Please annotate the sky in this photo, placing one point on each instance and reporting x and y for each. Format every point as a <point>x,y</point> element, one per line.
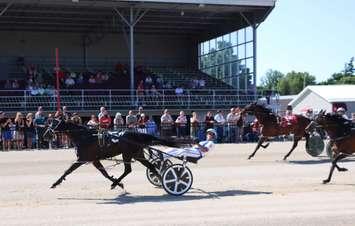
<point>316,36</point>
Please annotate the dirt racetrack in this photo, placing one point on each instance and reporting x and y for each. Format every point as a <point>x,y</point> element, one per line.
<point>228,190</point>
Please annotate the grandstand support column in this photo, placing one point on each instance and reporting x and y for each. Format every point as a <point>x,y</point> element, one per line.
<point>131,23</point>
<point>254,61</point>
<point>131,53</point>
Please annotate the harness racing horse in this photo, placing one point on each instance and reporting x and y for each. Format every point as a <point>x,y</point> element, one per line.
<point>270,127</point>
<point>342,138</point>
<point>131,145</point>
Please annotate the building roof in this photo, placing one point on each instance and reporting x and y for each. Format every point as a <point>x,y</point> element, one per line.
<point>331,93</point>
<point>200,19</point>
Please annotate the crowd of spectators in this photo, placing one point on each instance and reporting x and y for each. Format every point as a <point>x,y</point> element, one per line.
<point>26,131</point>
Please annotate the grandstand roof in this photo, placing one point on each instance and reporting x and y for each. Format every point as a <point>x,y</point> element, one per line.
<point>202,19</point>
<point>331,93</point>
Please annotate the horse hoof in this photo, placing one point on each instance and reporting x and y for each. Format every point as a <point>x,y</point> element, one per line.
<point>114,185</point>
<point>343,169</point>
<point>250,157</point>
<point>326,181</point>
<point>53,186</point>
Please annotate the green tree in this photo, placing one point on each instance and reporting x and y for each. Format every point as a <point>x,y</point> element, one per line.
<point>294,82</point>
<point>271,78</point>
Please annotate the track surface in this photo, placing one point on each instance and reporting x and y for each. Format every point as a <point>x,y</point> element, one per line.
<point>227,190</point>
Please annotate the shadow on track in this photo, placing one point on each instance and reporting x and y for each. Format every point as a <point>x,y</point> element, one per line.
<point>317,161</point>
<point>193,194</point>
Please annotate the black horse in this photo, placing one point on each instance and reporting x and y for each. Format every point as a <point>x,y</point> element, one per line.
<point>130,145</point>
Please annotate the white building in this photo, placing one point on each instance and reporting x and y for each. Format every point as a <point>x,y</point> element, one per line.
<point>325,97</point>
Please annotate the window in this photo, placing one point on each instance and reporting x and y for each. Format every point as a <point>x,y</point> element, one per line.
<point>230,58</point>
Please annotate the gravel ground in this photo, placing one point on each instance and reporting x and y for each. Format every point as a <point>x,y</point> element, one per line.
<point>228,190</point>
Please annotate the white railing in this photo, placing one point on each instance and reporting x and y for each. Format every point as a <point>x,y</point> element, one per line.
<point>82,100</point>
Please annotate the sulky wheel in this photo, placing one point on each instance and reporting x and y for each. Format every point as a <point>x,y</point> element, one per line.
<point>177,179</point>
<point>152,177</point>
<point>315,145</point>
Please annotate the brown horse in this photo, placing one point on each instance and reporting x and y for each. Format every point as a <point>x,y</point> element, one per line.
<point>342,138</point>
<point>270,127</point>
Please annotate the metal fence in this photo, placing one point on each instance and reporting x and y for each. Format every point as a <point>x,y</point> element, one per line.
<point>87,100</point>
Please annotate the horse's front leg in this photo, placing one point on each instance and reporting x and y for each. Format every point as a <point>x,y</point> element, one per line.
<point>101,168</point>
<point>260,142</point>
<point>334,164</point>
<point>295,142</point>
<point>73,167</point>
<point>127,170</point>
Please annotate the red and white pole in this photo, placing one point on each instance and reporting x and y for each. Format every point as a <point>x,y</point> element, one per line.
<point>57,75</point>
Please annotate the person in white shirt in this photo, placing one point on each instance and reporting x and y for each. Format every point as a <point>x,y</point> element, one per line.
<point>181,124</point>
<point>219,123</point>
<point>198,151</point>
<point>166,123</point>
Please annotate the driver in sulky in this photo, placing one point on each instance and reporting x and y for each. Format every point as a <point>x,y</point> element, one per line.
<point>199,149</point>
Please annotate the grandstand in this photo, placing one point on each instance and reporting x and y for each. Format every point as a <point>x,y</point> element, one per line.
<point>211,40</point>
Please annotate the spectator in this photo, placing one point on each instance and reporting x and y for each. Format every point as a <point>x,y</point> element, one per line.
<point>232,119</point>
<point>131,120</point>
<point>219,121</point>
<point>353,118</point>
<point>181,124</point>
<point>105,121</point>
<point>29,130</point>
<point>166,122</point>
<point>140,93</point>
<point>6,132</point>
<point>15,84</point>
<point>118,121</point>
<point>69,82</point>
<point>202,83</point>
<point>101,113</point>
<point>20,129</point>
<point>148,82</point>
<point>151,126</point>
<point>140,112</point>
<point>141,123</point>
<point>92,80</point>
<point>66,114</point>
<point>154,91</point>
<point>159,83</point>
<point>209,120</point>
<point>39,124</point>
<point>7,85</point>
<point>194,125</point>
<point>98,78</point>
<point>179,91</point>
<point>76,119</point>
<point>93,122</point>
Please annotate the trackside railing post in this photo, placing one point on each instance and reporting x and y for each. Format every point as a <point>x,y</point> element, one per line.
<point>110,99</point>
<point>25,99</point>
<point>214,99</point>
<point>82,99</point>
<point>188,99</point>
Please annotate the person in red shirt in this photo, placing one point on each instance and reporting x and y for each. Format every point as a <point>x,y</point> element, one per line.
<point>105,121</point>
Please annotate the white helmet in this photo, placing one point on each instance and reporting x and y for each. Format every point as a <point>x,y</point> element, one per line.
<point>341,110</point>
<point>212,131</point>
